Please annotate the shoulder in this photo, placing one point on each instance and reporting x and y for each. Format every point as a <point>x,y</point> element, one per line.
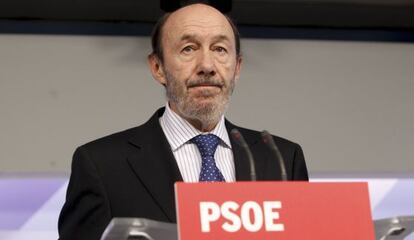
<point>254,136</point>
<point>126,137</point>
<point>112,140</point>
<point>291,152</point>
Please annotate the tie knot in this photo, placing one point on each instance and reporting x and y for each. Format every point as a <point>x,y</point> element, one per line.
<point>207,144</point>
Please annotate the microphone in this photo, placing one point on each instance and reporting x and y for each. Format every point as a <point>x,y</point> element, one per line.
<point>239,139</point>
<point>268,140</point>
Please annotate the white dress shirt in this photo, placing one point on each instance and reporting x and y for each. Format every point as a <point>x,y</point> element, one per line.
<point>179,132</point>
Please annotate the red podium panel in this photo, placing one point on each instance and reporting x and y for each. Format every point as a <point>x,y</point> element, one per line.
<point>273,210</point>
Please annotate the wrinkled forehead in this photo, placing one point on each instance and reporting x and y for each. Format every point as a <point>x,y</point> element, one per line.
<point>198,20</point>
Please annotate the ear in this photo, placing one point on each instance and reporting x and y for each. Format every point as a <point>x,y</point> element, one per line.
<point>238,67</point>
<point>157,71</point>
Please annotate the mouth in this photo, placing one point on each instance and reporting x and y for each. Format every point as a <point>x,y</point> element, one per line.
<point>205,85</point>
<point>205,90</point>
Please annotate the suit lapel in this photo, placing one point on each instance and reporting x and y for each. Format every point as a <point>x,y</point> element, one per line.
<point>154,164</point>
<point>241,162</point>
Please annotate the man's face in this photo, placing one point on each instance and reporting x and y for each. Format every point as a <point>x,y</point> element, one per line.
<point>200,65</point>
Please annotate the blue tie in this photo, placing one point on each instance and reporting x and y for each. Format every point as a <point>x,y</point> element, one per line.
<point>207,145</point>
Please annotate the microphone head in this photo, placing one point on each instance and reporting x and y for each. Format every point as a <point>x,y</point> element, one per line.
<point>235,134</point>
<point>238,137</point>
<point>266,137</point>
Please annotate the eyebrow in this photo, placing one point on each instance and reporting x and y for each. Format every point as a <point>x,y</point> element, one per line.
<point>187,37</point>
<point>221,37</point>
<point>193,37</point>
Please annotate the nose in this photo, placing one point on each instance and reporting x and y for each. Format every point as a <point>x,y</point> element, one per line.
<point>206,64</point>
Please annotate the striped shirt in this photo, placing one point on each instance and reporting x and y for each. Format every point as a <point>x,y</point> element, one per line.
<point>179,132</point>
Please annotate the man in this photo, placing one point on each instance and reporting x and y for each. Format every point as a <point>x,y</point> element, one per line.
<point>196,56</point>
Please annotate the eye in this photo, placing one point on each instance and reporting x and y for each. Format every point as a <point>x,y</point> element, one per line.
<point>188,49</point>
<point>220,49</point>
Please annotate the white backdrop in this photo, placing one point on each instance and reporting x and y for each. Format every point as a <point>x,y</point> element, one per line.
<point>349,104</point>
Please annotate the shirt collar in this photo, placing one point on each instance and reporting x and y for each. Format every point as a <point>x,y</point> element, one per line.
<point>179,131</point>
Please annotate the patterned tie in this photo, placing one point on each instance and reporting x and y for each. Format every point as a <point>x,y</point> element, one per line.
<point>207,145</point>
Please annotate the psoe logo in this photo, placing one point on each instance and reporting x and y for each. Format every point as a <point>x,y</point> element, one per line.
<point>250,216</point>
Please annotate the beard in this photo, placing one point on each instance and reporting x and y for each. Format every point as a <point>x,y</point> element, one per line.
<point>205,105</point>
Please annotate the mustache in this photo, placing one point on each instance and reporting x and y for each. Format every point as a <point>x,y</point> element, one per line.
<point>205,82</point>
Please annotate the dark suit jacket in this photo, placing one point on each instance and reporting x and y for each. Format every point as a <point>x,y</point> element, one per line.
<point>132,174</point>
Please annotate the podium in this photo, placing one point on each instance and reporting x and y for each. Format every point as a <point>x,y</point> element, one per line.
<point>258,210</point>
<point>139,229</point>
<point>396,228</point>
